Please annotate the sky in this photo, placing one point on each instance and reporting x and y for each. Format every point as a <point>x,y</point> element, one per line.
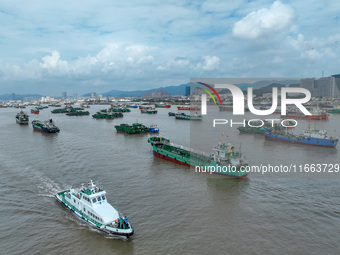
<point>48,47</point>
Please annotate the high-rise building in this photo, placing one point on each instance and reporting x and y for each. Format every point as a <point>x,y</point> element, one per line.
<point>13,96</point>
<point>187,91</point>
<point>64,95</point>
<point>93,94</point>
<point>322,87</point>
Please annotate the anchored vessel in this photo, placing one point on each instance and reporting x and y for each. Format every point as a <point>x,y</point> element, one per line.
<point>47,126</point>
<point>224,160</point>
<point>22,118</point>
<point>308,137</point>
<point>154,129</point>
<point>162,105</point>
<point>257,127</point>
<point>90,205</point>
<point>149,110</point>
<point>35,111</point>
<point>107,114</point>
<point>78,113</point>
<point>188,108</point>
<point>317,114</point>
<point>135,128</point>
<point>192,116</point>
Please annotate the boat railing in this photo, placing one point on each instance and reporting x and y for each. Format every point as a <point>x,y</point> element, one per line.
<point>192,151</point>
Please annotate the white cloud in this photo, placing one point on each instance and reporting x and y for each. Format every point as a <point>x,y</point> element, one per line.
<point>264,22</point>
<point>210,63</point>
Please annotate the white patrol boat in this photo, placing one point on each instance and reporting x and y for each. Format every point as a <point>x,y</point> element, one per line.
<point>90,205</point>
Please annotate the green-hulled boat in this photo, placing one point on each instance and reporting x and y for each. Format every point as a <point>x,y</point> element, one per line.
<point>67,109</point>
<point>119,109</point>
<point>257,127</point>
<point>334,110</point>
<point>78,113</point>
<point>22,118</point>
<point>135,128</point>
<point>224,160</point>
<point>104,114</point>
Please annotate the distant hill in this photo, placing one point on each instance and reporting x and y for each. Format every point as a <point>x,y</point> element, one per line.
<point>269,88</point>
<point>173,90</point>
<point>19,97</point>
<point>180,89</point>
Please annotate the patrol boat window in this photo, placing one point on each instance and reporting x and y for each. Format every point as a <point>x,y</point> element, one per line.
<point>103,197</point>
<point>94,200</point>
<point>99,199</point>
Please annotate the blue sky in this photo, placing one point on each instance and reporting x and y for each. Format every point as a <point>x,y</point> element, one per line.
<point>81,46</point>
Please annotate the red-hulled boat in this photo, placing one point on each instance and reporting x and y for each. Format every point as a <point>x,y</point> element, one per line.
<point>188,108</point>
<point>35,111</point>
<point>317,114</point>
<point>162,105</point>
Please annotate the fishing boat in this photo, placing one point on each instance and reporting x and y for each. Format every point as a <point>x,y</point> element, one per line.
<point>224,160</point>
<point>188,108</point>
<point>229,108</point>
<point>78,113</point>
<point>135,128</point>
<point>119,109</point>
<point>90,205</point>
<point>144,107</point>
<point>172,113</point>
<point>22,118</point>
<point>35,111</point>
<point>192,116</point>
<point>334,110</point>
<point>47,126</point>
<point>154,129</point>
<point>67,109</point>
<point>308,137</point>
<point>257,126</point>
<point>131,106</point>
<point>149,110</point>
<point>107,114</point>
<point>317,114</point>
<point>162,105</point>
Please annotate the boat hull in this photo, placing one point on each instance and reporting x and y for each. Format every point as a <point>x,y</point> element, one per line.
<point>313,117</point>
<point>182,160</point>
<point>45,130</point>
<point>311,142</point>
<point>22,122</point>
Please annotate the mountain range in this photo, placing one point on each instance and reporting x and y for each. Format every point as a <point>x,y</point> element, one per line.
<point>181,89</point>
<point>259,87</point>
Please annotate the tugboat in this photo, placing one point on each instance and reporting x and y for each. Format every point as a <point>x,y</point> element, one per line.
<point>308,137</point>
<point>22,118</point>
<point>90,205</point>
<point>224,160</point>
<point>47,126</point>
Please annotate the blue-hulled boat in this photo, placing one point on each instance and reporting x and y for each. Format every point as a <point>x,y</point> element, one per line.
<point>308,137</point>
